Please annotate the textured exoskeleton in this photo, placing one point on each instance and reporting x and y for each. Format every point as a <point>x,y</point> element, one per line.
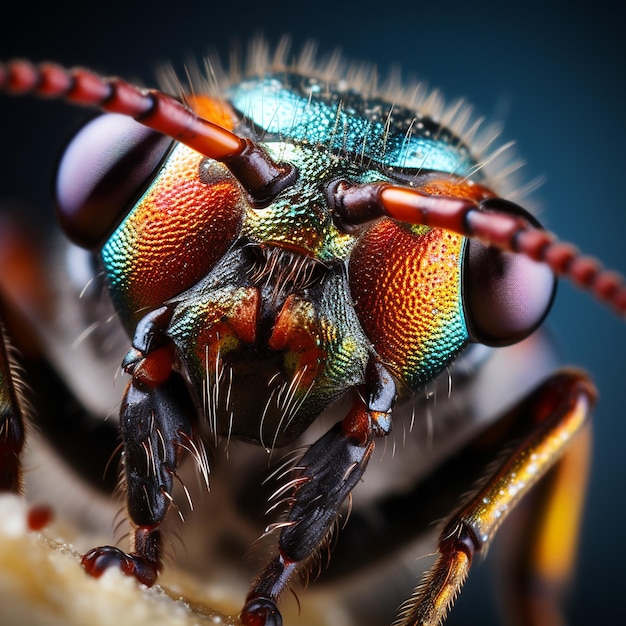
<point>300,245</point>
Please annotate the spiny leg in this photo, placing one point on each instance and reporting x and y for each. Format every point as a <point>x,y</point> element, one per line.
<point>22,286</point>
<point>36,307</point>
<point>328,473</point>
<point>11,422</point>
<point>551,417</point>
<point>330,469</point>
<point>155,420</point>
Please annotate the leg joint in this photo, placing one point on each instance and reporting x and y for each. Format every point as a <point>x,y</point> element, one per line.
<point>458,536</point>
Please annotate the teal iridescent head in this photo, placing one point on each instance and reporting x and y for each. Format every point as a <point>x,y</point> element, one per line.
<point>285,280</point>
<point>297,239</point>
<point>307,110</point>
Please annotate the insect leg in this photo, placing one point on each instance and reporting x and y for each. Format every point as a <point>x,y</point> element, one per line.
<point>537,551</point>
<point>550,418</point>
<point>330,469</point>
<point>155,419</point>
<point>328,473</point>
<point>11,422</point>
<point>20,272</point>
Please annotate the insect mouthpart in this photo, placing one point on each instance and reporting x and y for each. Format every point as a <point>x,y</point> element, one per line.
<point>305,239</point>
<point>280,272</point>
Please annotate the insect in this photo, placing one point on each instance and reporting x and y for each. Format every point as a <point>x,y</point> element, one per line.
<point>303,243</point>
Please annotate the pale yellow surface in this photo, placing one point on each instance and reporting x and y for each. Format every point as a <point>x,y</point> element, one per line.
<point>43,584</point>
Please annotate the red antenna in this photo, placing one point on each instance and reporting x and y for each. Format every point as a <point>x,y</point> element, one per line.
<point>257,172</point>
<point>264,179</point>
<point>488,221</point>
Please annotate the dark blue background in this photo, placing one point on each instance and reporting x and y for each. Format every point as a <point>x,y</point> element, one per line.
<point>554,75</point>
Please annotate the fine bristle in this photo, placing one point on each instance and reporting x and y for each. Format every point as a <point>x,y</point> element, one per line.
<point>496,160</point>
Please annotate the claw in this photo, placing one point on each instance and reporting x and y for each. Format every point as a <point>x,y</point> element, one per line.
<point>260,612</point>
<point>98,560</point>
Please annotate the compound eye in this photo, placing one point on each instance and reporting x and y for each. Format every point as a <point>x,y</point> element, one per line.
<point>506,296</point>
<point>105,168</point>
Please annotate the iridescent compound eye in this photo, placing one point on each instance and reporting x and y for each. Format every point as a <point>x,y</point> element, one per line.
<point>104,169</point>
<point>506,296</point>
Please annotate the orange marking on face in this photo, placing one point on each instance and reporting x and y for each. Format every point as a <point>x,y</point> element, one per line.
<point>296,332</point>
<point>457,189</point>
<point>225,326</point>
<point>217,111</point>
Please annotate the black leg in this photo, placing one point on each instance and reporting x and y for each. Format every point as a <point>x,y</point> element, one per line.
<point>156,426</point>
<point>328,472</point>
<point>11,422</point>
<point>155,429</point>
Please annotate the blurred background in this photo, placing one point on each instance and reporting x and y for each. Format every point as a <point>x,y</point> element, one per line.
<point>553,75</point>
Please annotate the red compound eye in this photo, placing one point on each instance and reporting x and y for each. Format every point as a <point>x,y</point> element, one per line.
<point>506,296</point>
<point>103,171</point>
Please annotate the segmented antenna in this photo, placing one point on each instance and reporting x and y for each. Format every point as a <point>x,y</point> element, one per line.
<point>490,222</point>
<point>251,165</point>
<point>264,179</point>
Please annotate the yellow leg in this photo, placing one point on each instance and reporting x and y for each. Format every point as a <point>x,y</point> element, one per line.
<point>551,417</point>
<point>538,551</point>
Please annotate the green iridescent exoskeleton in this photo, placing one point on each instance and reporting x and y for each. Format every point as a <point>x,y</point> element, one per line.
<point>273,318</point>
